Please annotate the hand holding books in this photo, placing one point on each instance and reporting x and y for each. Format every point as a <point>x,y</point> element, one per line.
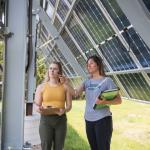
<point>109,94</point>
<point>105,96</point>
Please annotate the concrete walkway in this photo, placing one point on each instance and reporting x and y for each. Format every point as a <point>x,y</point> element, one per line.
<point>31,130</point>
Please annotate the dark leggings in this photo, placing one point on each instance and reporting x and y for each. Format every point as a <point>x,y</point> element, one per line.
<point>52,131</point>
<point>99,133</point>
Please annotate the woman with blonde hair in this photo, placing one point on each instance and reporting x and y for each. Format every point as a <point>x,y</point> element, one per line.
<point>55,96</point>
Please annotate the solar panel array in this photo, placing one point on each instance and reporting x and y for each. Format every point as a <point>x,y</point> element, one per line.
<point>99,27</point>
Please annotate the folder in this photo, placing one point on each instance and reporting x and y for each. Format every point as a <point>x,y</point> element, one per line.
<point>107,95</point>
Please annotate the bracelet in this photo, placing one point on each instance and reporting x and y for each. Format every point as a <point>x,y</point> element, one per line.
<point>75,93</point>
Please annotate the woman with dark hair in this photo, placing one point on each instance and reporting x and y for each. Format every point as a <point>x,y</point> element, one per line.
<point>98,121</point>
<point>54,96</point>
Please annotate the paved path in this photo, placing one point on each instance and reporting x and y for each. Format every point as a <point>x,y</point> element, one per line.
<point>37,147</point>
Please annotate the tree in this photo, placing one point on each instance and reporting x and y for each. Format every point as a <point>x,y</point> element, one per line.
<point>1,52</point>
<point>40,70</point>
<point>1,58</point>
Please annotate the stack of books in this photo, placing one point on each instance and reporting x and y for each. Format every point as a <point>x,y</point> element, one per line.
<point>106,95</point>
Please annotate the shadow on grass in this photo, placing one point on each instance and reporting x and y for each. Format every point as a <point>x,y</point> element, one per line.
<point>74,141</point>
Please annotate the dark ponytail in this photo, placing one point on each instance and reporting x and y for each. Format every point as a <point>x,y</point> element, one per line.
<point>99,62</point>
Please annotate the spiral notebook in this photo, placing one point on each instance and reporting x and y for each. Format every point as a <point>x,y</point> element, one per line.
<point>49,110</point>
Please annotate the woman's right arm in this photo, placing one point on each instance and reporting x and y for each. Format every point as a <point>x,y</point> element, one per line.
<point>38,98</point>
<point>78,91</point>
<point>74,92</point>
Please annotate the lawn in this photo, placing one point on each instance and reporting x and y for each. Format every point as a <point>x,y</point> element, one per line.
<point>131,127</point>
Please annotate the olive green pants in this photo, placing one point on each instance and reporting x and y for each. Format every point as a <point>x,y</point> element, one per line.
<point>52,131</point>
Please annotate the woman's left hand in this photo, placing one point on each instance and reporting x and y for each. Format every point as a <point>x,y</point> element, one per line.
<point>115,101</point>
<point>101,101</point>
<point>61,111</point>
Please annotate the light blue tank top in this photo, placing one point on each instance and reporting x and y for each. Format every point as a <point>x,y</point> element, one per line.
<point>92,89</point>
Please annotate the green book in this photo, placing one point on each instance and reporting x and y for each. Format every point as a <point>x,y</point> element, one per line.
<point>107,95</point>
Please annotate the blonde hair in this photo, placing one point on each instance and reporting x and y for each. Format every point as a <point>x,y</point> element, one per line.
<point>47,78</point>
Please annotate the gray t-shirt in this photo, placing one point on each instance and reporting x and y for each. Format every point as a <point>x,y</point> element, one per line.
<point>92,90</point>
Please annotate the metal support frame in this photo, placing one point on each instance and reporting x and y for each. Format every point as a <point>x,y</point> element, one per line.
<point>129,71</point>
<point>60,43</point>
<point>138,15</point>
<point>67,18</point>
<point>120,36</point>
<point>64,64</point>
<point>56,57</point>
<point>76,44</point>
<point>146,77</point>
<point>131,9</point>
<point>120,85</point>
<point>31,79</point>
<point>2,28</point>
<point>143,71</point>
<point>68,15</point>
<point>55,10</point>
<point>49,58</point>
<point>14,77</point>
<point>92,41</point>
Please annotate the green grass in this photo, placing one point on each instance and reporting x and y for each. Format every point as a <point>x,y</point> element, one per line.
<point>131,123</point>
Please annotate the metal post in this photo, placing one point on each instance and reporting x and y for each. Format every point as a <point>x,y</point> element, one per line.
<point>31,70</point>
<point>14,76</point>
